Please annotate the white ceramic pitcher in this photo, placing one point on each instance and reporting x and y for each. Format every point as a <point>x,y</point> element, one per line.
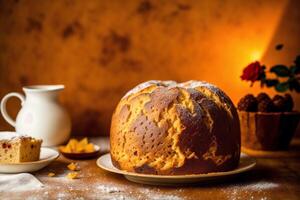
<point>41,115</point>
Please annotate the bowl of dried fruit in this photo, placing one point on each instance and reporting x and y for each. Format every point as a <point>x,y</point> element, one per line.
<point>79,149</point>
<point>269,124</point>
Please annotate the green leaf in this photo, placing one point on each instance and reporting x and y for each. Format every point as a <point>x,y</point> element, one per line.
<point>280,70</point>
<point>295,69</point>
<point>278,47</point>
<point>282,87</point>
<point>271,82</point>
<point>294,84</point>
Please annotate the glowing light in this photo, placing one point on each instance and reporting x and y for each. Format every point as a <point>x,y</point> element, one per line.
<point>255,55</point>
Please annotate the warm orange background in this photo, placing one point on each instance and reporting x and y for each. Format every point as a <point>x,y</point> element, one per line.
<point>101,49</point>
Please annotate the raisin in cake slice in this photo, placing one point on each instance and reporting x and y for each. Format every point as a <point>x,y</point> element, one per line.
<point>16,148</point>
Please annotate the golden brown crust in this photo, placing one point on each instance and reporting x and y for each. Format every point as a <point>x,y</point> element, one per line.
<point>168,128</point>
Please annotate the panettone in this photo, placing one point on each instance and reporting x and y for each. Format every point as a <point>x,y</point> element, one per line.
<point>162,127</point>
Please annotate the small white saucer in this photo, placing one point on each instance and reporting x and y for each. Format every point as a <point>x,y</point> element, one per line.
<point>47,155</point>
<point>246,163</point>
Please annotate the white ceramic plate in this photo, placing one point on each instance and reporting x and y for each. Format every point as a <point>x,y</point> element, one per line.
<point>47,155</point>
<point>246,163</point>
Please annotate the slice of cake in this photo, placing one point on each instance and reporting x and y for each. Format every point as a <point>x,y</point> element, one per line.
<point>16,148</point>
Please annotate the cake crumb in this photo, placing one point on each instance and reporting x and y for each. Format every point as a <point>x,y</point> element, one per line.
<point>72,175</point>
<point>73,166</point>
<point>51,174</point>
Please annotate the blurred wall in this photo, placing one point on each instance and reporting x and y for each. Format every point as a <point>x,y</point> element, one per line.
<point>101,49</point>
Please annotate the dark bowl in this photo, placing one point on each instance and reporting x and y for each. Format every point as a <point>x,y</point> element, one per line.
<point>268,131</point>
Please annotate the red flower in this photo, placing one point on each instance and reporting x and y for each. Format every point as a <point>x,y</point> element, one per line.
<point>253,72</point>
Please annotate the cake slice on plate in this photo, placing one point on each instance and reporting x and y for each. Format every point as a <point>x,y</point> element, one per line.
<point>16,148</point>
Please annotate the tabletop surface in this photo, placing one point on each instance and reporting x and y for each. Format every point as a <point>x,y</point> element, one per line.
<point>272,178</point>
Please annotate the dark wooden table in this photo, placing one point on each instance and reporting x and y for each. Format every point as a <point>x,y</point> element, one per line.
<point>273,178</point>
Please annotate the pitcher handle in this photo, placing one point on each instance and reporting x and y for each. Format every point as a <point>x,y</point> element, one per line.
<point>3,106</point>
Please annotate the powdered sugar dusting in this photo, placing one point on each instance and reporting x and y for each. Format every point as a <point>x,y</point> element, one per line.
<point>170,84</point>
<point>252,191</point>
<point>156,196</point>
<point>89,187</point>
<point>194,84</point>
<point>262,186</point>
<point>117,192</point>
<point>169,197</point>
<point>148,84</point>
<point>109,189</point>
